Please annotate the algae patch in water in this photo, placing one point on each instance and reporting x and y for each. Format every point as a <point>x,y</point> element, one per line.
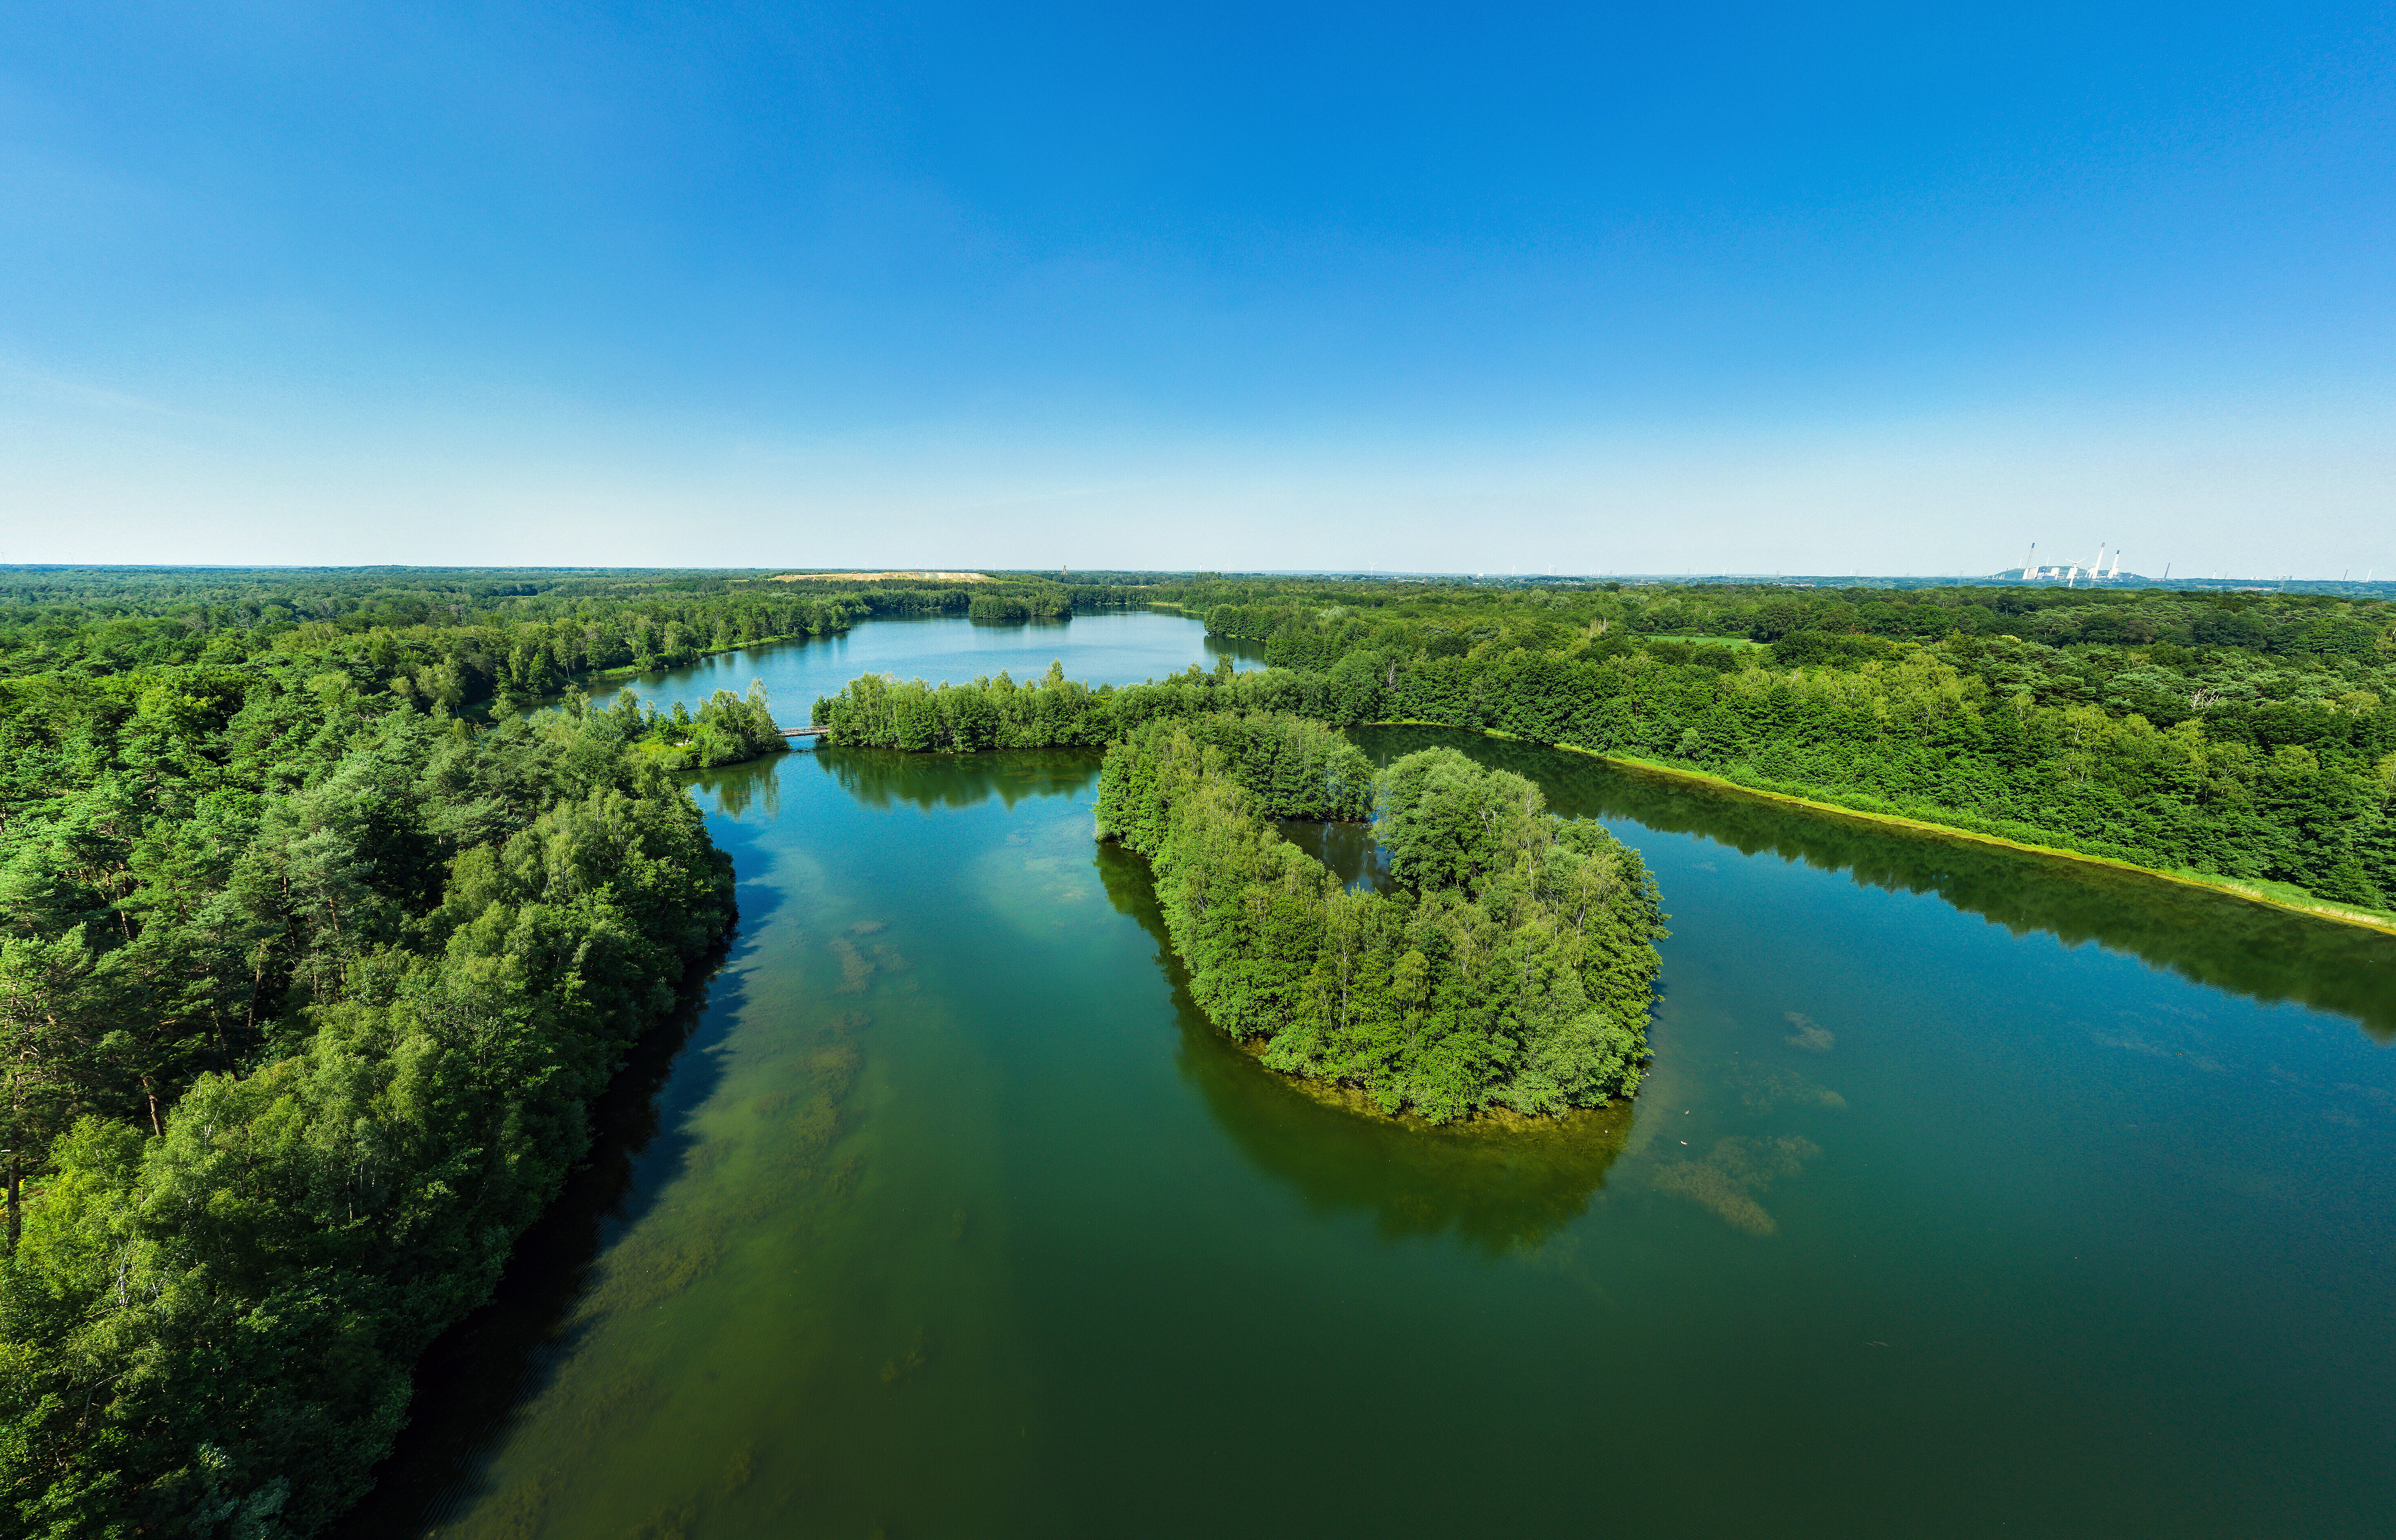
<point>1761,1088</point>
<point>743,1468</point>
<point>646,1275</point>
<point>1810,1035</point>
<point>1734,1173</point>
<point>856,968</point>
<point>762,1165</point>
<point>909,1362</point>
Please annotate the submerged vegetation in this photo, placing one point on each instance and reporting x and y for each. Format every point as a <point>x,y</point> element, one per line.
<point>1513,968</point>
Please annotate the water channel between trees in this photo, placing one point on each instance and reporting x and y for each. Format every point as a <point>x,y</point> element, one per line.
<point>1971,1193</point>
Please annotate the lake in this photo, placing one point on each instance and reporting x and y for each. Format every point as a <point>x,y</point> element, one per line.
<point>1970,1193</point>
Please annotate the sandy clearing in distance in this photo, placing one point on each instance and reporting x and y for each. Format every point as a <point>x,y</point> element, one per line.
<point>876,577</point>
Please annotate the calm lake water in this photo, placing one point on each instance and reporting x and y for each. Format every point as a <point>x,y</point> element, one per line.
<point>1970,1194</point>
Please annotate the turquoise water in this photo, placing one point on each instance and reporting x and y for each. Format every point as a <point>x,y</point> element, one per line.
<point>1970,1194</point>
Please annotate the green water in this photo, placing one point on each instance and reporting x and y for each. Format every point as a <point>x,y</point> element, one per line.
<point>1970,1194</point>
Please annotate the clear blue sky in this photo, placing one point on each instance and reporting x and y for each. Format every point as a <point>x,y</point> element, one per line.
<point>1602,287</point>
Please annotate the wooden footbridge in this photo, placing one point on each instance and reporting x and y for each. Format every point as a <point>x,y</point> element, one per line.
<point>804,732</point>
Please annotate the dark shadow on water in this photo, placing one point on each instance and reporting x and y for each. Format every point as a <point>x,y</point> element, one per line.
<point>735,788</point>
<point>494,1363</point>
<point>1239,649</point>
<point>1347,850</point>
<point>884,777</point>
<point>483,1371</point>
<point>2211,938</point>
<point>1495,1191</point>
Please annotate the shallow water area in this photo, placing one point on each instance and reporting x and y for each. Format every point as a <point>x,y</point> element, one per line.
<point>1968,1194</point>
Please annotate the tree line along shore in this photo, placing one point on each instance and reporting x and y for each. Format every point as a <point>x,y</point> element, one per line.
<point>315,949</point>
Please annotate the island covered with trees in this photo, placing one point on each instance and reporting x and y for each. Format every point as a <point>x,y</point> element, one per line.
<point>726,729</point>
<point>1510,971</point>
<point>1016,610</point>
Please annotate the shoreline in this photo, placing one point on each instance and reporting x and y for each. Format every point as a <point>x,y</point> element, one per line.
<point>2227,886</point>
<point>2230,887</point>
<point>1498,1122</point>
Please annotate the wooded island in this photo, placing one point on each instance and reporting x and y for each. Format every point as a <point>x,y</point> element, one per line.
<point>1513,968</point>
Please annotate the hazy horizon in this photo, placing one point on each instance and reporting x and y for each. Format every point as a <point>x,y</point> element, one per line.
<point>2067,575</point>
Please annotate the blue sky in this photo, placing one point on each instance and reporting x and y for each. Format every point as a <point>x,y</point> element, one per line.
<point>1606,288</point>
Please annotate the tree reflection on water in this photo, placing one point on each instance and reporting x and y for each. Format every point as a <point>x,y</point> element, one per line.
<point>1495,1188</point>
<point>884,777</point>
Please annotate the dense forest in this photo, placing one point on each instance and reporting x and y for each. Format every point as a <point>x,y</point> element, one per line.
<point>1512,967</point>
<point>439,640</point>
<point>304,1003</point>
<point>2249,737</point>
<point>456,640</point>
<point>2245,736</point>
<point>2292,625</point>
<point>311,963</point>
